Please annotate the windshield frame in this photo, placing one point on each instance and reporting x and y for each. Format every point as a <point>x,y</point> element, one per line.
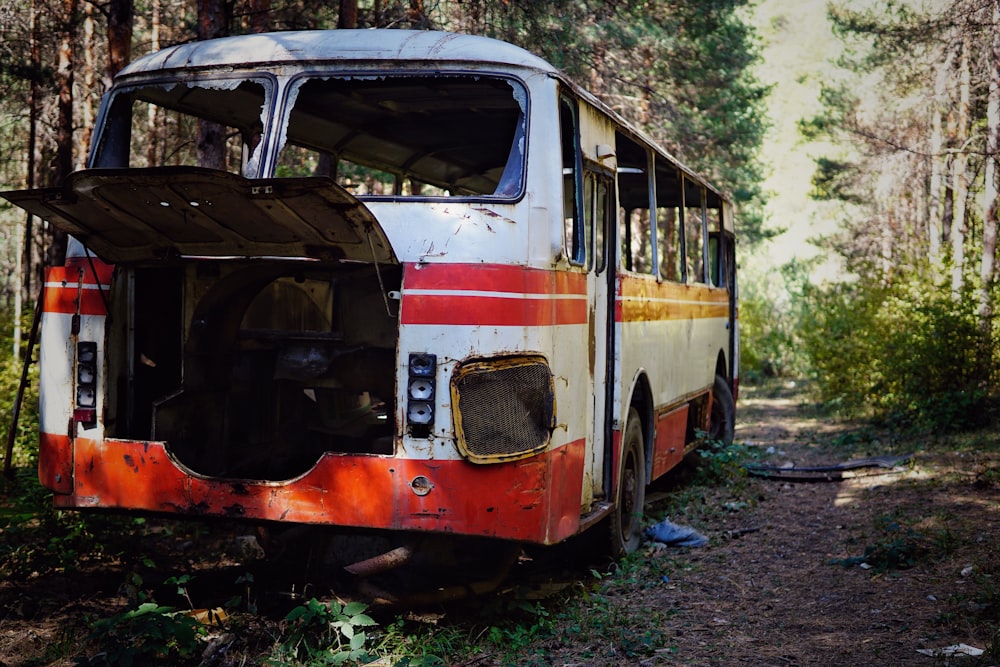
<point>520,94</point>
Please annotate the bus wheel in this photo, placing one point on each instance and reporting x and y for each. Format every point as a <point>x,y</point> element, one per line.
<point>626,519</point>
<point>723,424</point>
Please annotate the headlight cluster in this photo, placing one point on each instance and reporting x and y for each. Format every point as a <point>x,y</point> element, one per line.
<point>420,392</point>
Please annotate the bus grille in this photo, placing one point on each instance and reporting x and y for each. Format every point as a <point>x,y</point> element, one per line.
<point>504,408</point>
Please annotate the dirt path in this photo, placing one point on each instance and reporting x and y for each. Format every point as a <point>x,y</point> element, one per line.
<point>772,596</point>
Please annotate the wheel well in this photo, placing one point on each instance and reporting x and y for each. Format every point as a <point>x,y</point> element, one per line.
<point>721,368</point>
<point>642,401</point>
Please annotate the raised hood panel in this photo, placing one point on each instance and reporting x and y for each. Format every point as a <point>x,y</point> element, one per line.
<point>138,215</point>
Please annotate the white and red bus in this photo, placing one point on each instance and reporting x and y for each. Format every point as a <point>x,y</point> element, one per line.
<point>403,281</point>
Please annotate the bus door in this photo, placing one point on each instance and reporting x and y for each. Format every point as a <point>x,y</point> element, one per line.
<point>599,211</point>
<point>588,198</point>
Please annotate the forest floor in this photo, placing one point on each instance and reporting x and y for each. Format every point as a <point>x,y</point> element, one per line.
<point>867,570</point>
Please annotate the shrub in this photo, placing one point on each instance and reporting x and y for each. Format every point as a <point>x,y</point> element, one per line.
<point>907,351</point>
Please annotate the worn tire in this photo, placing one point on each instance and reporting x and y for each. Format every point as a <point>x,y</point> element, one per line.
<point>722,426</point>
<point>625,525</point>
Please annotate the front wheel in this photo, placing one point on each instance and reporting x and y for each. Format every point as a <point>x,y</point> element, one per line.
<point>625,527</point>
<point>723,422</point>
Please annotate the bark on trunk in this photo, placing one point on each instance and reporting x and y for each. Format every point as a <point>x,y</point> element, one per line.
<point>959,169</point>
<point>990,194</point>
<point>64,124</point>
<point>935,231</point>
<point>152,117</point>
<point>348,17</point>
<point>213,21</point>
<point>120,18</point>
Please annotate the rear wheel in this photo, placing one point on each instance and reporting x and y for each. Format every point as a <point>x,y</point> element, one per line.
<point>723,424</point>
<point>625,530</point>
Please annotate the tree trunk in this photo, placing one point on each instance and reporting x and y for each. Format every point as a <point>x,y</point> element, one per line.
<point>89,85</point>
<point>152,118</point>
<point>64,124</point>
<point>213,21</point>
<point>348,16</point>
<point>990,195</point>
<point>120,16</point>
<point>960,178</point>
<point>260,15</point>
<point>935,230</point>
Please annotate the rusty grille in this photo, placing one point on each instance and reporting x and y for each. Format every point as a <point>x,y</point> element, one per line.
<point>504,409</point>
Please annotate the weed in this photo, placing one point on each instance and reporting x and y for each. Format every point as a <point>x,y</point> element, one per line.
<point>147,635</point>
<point>899,550</point>
<point>723,463</point>
<point>324,633</point>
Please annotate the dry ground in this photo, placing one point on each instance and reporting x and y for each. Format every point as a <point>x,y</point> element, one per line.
<point>768,590</point>
<point>765,591</point>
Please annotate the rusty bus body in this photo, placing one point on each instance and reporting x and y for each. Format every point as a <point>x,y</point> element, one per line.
<point>428,285</point>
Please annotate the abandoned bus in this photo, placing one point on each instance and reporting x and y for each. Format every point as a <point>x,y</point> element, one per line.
<point>409,282</point>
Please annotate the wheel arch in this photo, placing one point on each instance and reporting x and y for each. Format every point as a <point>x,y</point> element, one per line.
<point>641,398</point>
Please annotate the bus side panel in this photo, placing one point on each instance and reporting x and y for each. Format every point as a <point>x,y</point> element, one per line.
<point>668,449</point>
<point>72,309</point>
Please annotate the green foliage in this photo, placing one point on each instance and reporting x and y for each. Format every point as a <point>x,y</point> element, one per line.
<point>603,617</point>
<point>525,623</point>
<point>899,550</point>
<point>324,633</point>
<point>769,320</point>
<point>907,350</point>
<point>150,634</point>
<point>26,438</point>
<point>722,464</point>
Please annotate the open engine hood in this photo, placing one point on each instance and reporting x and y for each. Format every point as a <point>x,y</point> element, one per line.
<point>142,215</point>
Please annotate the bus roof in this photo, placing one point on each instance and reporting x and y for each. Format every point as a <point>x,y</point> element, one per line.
<point>304,46</point>
<point>299,47</point>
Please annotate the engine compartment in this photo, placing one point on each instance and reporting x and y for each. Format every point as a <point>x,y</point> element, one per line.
<point>253,369</point>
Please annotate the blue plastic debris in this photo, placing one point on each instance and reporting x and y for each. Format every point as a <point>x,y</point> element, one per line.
<point>671,534</point>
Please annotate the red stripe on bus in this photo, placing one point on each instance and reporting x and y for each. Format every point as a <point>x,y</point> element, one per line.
<point>535,500</point>
<point>538,297</point>
<point>65,284</point>
<point>457,309</point>
<point>493,278</point>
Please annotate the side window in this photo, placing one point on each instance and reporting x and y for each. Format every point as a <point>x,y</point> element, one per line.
<point>716,273</point>
<point>694,231</point>
<point>634,201</point>
<point>669,206</point>
<point>600,216</point>
<point>574,238</point>
<point>637,244</point>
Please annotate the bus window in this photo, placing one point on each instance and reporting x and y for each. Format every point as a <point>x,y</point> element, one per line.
<point>694,232</point>
<point>669,200</point>
<point>445,136</point>
<point>589,187</point>
<point>715,273</point>
<point>599,216</point>
<point>637,247</point>
<point>573,233</point>
<point>166,125</point>
<point>635,225</point>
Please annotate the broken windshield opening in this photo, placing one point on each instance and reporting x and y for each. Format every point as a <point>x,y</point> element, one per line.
<point>410,136</point>
<point>217,124</point>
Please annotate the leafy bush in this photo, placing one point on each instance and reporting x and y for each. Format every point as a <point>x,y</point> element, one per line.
<point>147,635</point>
<point>769,341</point>
<point>324,633</point>
<point>908,351</point>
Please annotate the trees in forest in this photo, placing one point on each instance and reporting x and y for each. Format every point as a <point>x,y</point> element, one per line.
<point>919,110</point>
<point>684,73</point>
